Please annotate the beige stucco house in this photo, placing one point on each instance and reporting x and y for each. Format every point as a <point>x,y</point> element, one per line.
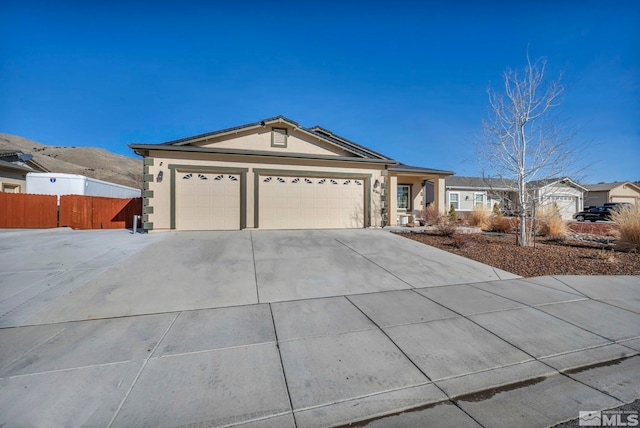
<point>277,174</point>
<point>599,194</point>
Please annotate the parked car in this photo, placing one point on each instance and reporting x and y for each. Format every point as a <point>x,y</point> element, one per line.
<point>618,205</point>
<point>595,214</point>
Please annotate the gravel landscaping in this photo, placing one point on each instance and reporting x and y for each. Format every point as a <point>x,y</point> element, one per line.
<point>589,250</point>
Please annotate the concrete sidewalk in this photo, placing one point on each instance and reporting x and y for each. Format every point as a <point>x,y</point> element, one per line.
<point>414,336</point>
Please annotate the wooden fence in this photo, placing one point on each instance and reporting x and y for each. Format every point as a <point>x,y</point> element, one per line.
<point>20,210</point>
<point>93,212</point>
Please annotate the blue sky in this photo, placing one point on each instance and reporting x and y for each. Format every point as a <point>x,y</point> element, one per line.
<point>407,79</point>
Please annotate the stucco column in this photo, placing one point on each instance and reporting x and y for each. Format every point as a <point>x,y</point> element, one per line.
<point>439,195</point>
<point>393,200</point>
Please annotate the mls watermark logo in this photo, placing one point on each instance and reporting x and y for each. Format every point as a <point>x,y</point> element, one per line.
<point>608,418</point>
<point>589,419</point>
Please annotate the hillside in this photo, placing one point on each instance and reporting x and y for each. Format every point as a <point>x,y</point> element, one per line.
<point>88,161</point>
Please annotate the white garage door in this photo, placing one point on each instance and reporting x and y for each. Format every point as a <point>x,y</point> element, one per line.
<point>311,203</point>
<point>207,201</point>
<point>568,205</point>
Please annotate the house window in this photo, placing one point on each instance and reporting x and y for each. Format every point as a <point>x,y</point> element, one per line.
<point>279,137</point>
<point>404,196</point>
<point>479,200</point>
<point>11,188</point>
<point>453,200</point>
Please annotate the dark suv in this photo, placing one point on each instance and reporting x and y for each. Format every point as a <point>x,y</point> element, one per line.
<point>595,214</point>
<point>618,205</point>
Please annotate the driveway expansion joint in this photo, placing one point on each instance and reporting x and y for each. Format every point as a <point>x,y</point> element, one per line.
<point>144,364</point>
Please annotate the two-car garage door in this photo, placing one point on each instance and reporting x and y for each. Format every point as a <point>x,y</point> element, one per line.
<point>291,202</point>
<point>211,201</point>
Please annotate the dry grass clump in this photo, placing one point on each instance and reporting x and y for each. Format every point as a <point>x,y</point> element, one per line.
<point>628,219</point>
<point>550,223</point>
<point>480,217</point>
<point>500,225</point>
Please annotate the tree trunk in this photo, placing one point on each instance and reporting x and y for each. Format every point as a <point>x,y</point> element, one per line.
<point>522,214</point>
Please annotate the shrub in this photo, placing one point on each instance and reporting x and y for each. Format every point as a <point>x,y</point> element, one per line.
<point>550,223</point>
<point>452,213</point>
<point>496,210</point>
<point>461,240</point>
<point>445,228</point>
<point>480,217</point>
<point>430,215</point>
<point>500,225</point>
<point>628,219</point>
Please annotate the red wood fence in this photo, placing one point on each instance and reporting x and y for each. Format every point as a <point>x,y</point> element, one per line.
<point>94,212</point>
<point>20,210</point>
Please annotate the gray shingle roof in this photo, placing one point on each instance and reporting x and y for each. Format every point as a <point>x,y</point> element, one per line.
<point>500,183</point>
<point>541,183</point>
<point>603,187</point>
<point>459,182</point>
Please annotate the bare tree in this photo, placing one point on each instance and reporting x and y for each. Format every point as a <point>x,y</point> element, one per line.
<point>522,141</point>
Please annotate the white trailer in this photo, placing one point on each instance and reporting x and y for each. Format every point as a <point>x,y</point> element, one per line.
<point>49,183</point>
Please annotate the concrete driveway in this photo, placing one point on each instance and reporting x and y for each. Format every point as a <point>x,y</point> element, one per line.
<point>300,328</point>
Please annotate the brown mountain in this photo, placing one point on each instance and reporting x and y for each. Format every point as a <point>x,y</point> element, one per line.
<point>91,162</point>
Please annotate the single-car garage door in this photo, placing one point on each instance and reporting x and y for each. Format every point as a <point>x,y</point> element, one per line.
<point>627,199</point>
<point>311,202</point>
<point>567,205</point>
<point>207,201</point>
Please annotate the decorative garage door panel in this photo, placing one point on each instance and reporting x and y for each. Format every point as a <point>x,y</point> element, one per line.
<point>567,205</point>
<point>207,201</point>
<point>311,203</point>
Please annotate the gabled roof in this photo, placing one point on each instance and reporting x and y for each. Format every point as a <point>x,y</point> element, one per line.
<point>316,132</point>
<point>537,184</point>
<point>604,187</point>
<point>18,158</point>
<point>356,152</point>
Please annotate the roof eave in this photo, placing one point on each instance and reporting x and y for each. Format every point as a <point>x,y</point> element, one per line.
<point>14,167</point>
<point>482,189</point>
<point>315,129</point>
<point>421,171</point>
<point>232,152</point>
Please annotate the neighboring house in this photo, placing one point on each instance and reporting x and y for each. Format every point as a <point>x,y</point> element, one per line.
<point>276,174</point>
<point>566,194</point>
<point>601,193</point>
<point>14,167</point>
<point>466,193</point>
